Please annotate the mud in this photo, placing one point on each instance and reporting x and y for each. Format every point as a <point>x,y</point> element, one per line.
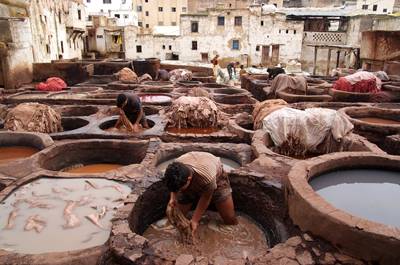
<point>192,130</point>
<point>213,239</point>
<point>11,153</point>
<point>51,215</point>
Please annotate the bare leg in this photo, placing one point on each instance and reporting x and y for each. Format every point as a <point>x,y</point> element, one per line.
<point>227,211</point>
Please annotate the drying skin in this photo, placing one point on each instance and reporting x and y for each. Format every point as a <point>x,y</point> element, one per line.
<point>71,219</point>
<point>84,201</point>
<point>181,223</point>
<point>11,219</point>
<point>91,184</point>
<point>102,212</point>
<point>94,218</point>
<point>36,223</point>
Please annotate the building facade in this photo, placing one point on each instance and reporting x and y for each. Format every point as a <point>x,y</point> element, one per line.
<point>152,13</point>
<point>377,6</point>
<point>123,11</point>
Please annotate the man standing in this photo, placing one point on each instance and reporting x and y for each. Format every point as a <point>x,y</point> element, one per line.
<point>131,112</point>
<point>231,69</point>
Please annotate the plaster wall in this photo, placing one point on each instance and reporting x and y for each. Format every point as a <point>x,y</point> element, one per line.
<point>381,6</point>
<point>122,8</point>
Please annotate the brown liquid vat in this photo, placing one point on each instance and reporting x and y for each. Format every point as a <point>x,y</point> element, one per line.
<point>355,236</point>
<point>71,154</point>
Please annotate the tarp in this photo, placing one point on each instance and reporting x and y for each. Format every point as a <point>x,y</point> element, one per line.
<point>359,82</point>
<point>180,75</point>
<point>52,84</point>
<point>282,82</point>
<point>263,109</point>
<point>314,130</point>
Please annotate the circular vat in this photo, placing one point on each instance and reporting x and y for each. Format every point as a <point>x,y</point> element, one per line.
<point>92,156</point>
<point>74,111</point>
<point>101,79</point>
<point>70,124</point>
<point>203,77</point>
<point>104,95</point>
<point>344,96</point>
<point>158,83</point>
<point>85,89</point>
<point>214,85</point>
<point>30,95</point>
<point>19,145</point>
<point>155,98</point>
<point>189,83</point>
<point>109,126</point>
<point>67,95</point>
<point>293,96</point>
<point>228,91</point>
<point>263,144</point>
<point>256,199</point>
<point>232,156</point>
<point>348,199</point>
<point>234,99</point>
<point>77,210</point>
<point>373,123</point>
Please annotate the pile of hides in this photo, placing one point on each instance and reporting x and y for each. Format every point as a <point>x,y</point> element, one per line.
<point>282,82</point>
<point>192,112</point>
<point>127,75</point>
<point>33,117</point>
<point>263,109</point>
<point>144,78</point>
<point>180,75</point>
<point>315,130</point>
<point>52,84</point>
<point>181,223</point>
<point>359,82</point>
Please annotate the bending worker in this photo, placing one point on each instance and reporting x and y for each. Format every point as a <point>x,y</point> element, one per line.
<point>131,112</point>
<point>199,177</point>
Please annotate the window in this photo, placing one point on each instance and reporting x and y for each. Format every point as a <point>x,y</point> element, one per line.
<point>87,1</point>
<point>194,45</point>
<point>384,10</point>
<point>280,31</point>
<point>123,2</point>
<point>221,21</point>
<point>173,9</point>
<point>117,15</point>
<point>126,16</point>
<point>195,26</point>
<point>173,23</point>
<point>262,22</point>
<point>147,13</point>
<point>90,18</point>
<point>79,14</point>
<point>294,31</point>
<point>106,1</point>
<point>365,7</point>
<point>287,31</point>
<point>257,48</point>
<point>139,8</point>
<point>99,36</point>
<point>59,17</point>
<point>140,24</point>
<point>170,47</point>
<point>160,9</point>
<point>160,23</point>
<point>163,47</point>
<point>138,48</point>
<point>147,26</point>
<point>146,1</point>
<point>184,9</point>
<point>235,45</point>
<point>62,46</point>
<point>238,21</point>
<point>48,48</point>
<point>374,7</point>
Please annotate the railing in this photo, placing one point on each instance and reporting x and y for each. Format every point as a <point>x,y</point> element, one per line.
<point>324,37</point>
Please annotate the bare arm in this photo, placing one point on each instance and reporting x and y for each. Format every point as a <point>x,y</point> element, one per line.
<point>139,117</point>
<point>202,206</point>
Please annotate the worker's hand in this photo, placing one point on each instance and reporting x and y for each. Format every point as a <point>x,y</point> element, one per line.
<point>172,203</point>
<point>194,225</point>
<point>135,128</point>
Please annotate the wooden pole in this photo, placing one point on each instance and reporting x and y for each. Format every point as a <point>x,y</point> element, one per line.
<point>329,62</point>
<point>315,60</point>
<point>337,58</point>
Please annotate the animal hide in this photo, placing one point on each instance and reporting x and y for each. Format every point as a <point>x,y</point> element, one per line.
<point>181,223</point>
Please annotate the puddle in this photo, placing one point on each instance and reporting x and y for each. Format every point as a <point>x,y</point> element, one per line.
<point>44,203</point>
<point>379,121</point>
<point>213,238</point>
<point>10,153</point>
<point>92,168</point>
<point>372,194</point>
<point>192,130</point>
<point>228,164</point>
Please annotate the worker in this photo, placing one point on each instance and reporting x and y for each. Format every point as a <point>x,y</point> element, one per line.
<point>131,112</point>
<point>199,177</point>
<point>231,69</point>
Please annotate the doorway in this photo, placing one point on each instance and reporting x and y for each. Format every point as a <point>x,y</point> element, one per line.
<point>265,59</point>
<point>204,57</point>
<point>275,55</point>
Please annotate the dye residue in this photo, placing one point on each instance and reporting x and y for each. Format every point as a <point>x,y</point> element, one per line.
<point>213,239</point>
<point>49,215</point>
<point>379,121</point>
<point>154,99</point>
<point>93,168</point>
<point>10,153</point>
<point>192,130</point>
<point>367,193</point>
<point>228,164</point>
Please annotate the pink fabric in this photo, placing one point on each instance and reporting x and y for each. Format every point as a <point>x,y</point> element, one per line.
<point>363,75</point>
<point>52,84</point>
